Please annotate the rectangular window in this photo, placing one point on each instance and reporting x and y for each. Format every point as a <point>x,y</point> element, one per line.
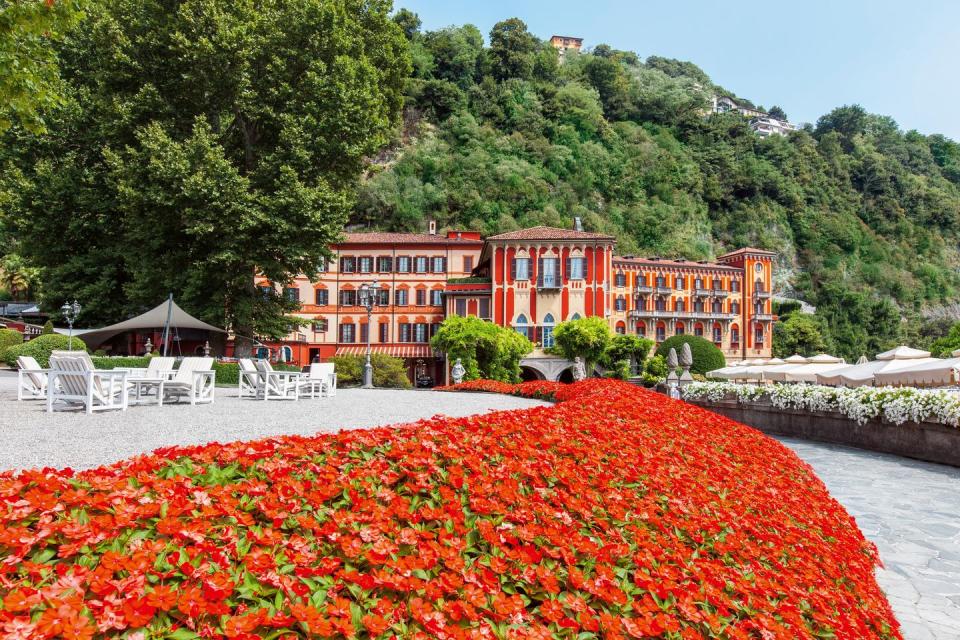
<point>717,335</point>
<point>348,298</point>
<point>347,333</point>
<point>680,305</point>
<point>698,331</point>
<point>383,297</point>
<point>322,266</point>
<point>620,279</point>
<point>384,264</point>
<point>758,336</point>
<point>461,307</point>
<point>548,341</point>
<point>681,283</point>
<point>363,333</point>
<point>420,332</point>
<point>320,326</point>
<point>321,297</point>
<point>576,268</point>
<point>523,330</point>
<point>366,264</point>
<point>266,292</point>
<point>521,268</point>
<point>400,297</point>
<point>292,294</point>
<point>436,297</point>
<point>661,304</point>
<point>421,297</point>
<point>404,332</point>
<point>384,332</point>
<point>348,264</point>
<point>468,264</point>
<point>484,308</point>
<point>661,334</point>
<point>439,264</point>
<point>549,276</point>
<point>420,264</point>
<point>434,327</point>
<point>403,264</point>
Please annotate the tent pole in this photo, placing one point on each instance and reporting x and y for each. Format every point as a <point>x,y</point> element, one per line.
<point>166,326</point>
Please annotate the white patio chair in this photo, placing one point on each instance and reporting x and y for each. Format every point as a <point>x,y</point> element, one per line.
<point>31,379</point>
<point>72,380</point>
<point>157,367</point>
<point>248,382</point>
<point>194,378</point>
<point>278,385</point>
<point>321,379</point>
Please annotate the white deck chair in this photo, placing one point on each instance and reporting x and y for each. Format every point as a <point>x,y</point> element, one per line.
<point>278,385</point>
<point>31,379</point>
<point>157,367</point>
<point>321,379</point>
<point>195,379</point>
<point>72,380</point>
<point>248,382</point>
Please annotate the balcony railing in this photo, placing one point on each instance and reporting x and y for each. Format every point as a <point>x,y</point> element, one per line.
<point>642,288</point>
<point>763,317</point>
<point>760,293</point>
<point>720,293</point>
<point>549,283</point>
<point>693,315</point>
<point>661,290</point>
<point>702,293</point>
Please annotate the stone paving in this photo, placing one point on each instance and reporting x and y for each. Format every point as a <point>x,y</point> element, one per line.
<point>911,511</point>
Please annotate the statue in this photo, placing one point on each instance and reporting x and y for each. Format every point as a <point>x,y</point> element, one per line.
<point>686,360</point>
<point>458,371</point>
<point>206,349</point>
<point>148,347</point>
<point>672,367</point>
<point>579,371</point>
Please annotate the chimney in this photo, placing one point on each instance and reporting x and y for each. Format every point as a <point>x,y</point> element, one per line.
<point>577,224</point>
<point>432,225</point>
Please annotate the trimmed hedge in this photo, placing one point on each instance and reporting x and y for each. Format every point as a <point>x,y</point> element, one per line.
<point>228,373</point>
<point>10,338</point>
<point>388,372</point>
<point>706,355</point>
<point>41,347</point>
<point>120,362</point>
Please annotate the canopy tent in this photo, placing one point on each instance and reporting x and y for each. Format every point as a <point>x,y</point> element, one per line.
<point>736,371</point>
<point>934,373</point>
<point>784,365</point>
<point>864,374</point>
<point>165,315</point>
<point>807,372</point>
<point>757,371</point>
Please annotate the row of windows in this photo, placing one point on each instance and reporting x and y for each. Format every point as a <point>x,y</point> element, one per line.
<point>352,298</point>
<point>400,264</point>
<point>660,334</point>
<point>659,304</point>
<point>548,270</point>
<point>680,283</point>
<point>483,307</point>
<point>406,332</point>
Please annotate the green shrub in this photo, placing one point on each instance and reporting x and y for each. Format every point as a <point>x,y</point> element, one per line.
<point>47,328</point>
<point>388,372</point>
<point>486,350</point>
<point>10,338</point>
<point>619,369</point>
<point>41,347</point>
<point>655,367</point>
<point>649,380</point>
<point>588,338</point>
<point>120,362</point>
<point>706,355</point>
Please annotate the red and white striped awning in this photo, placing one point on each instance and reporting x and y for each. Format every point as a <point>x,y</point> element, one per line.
<point>395,350</point>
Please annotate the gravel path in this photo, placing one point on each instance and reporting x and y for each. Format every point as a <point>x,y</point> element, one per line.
<point>31,437</point>
<point>911,511</point>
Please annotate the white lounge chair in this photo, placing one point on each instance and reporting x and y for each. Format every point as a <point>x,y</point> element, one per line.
<point>157,367</point>
<point>248,382</point>
<point>278,385</point>
<point>31,379</point>
<point>320,380</point>
<point>194,378</point>
<point>73,380</point>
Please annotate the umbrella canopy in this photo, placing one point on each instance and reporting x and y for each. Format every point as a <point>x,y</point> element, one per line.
<point>807,372</point>
<point>931,373</point>
<point>156,318</point>
<point>729,372</point>
<point>864,374</point>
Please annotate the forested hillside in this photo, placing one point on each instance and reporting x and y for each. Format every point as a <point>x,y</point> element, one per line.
<point>865,217</point>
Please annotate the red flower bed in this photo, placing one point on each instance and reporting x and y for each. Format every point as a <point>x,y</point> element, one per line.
<point>616,513</point>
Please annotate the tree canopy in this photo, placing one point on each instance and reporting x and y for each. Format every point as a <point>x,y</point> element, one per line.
<point>587,338</point>
<point>201,146</point>
<point>487,350</point>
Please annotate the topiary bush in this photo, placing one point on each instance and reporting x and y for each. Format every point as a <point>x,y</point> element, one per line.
<point>9,339</point>
<point>706,355</point>
<point>388,372</point>
<point>41,347</point>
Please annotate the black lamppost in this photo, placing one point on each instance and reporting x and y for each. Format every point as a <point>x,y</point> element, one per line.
<point>70,313</point>
<point>368,297</point>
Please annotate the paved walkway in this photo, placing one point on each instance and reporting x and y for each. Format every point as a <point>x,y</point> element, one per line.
<point>31,437</point>
<point>911,511</point>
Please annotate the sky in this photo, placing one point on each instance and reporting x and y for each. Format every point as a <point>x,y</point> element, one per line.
<point>900,59</point>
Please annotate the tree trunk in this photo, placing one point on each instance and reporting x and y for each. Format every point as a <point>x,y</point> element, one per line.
<point>242,319</point>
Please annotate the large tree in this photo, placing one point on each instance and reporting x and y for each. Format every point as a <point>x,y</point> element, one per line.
<point>205,141</point>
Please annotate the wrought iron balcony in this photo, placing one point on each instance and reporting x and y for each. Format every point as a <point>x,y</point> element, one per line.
<point>761,293</point>
<point>763,317</point>
<point>642,288</point>
<point>720,293</point>
<point>702,293</point>
<point>662,290</point>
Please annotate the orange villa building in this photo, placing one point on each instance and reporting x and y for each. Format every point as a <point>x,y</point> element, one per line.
<point>529,280</point>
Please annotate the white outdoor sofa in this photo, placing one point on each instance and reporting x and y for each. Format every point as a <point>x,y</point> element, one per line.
<point>194,378</point>
<point>320,380</point>
<point>31,379</point>
<point>72,380</point>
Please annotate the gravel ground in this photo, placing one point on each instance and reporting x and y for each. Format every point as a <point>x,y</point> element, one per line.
<point>31,437</point>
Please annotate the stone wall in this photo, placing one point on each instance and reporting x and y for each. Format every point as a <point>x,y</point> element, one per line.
<point>930,441</point>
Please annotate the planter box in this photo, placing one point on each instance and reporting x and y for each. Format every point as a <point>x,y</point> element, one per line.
<point>930,441</point>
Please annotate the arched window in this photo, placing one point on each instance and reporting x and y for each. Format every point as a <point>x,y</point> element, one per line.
<point>575,316</point>
<point>286,354</point>
<point>758,285</point>
<point>717,334</point>
<point>661,332</point>
<point>661,280</point>
<point>717,306</point>
<point>548,323</point>
<point>642,329</point>
<point>263,353</point>
<point>698,330</point>
<point>680,305</point>
<point>522,326</point>
<point>734,336</point>
<point>680,330</point>
<point>681,282</point>
<point>735,307</point>
<point>621,328</point>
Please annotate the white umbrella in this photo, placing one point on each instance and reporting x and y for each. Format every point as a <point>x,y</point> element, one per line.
<point>864,374</point>
<point>808,372</point>
<point>729,372</point>
<point>862,360</point>
<point>932,373</point>
<point>786,364</point>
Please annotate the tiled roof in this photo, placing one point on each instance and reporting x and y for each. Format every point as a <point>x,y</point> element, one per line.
<point>665,263</point>
<point>550,233</point>
<point>749,250</point>
<point>404,238</point>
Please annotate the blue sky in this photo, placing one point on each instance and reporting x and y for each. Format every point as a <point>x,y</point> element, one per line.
<point>894,58</point>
